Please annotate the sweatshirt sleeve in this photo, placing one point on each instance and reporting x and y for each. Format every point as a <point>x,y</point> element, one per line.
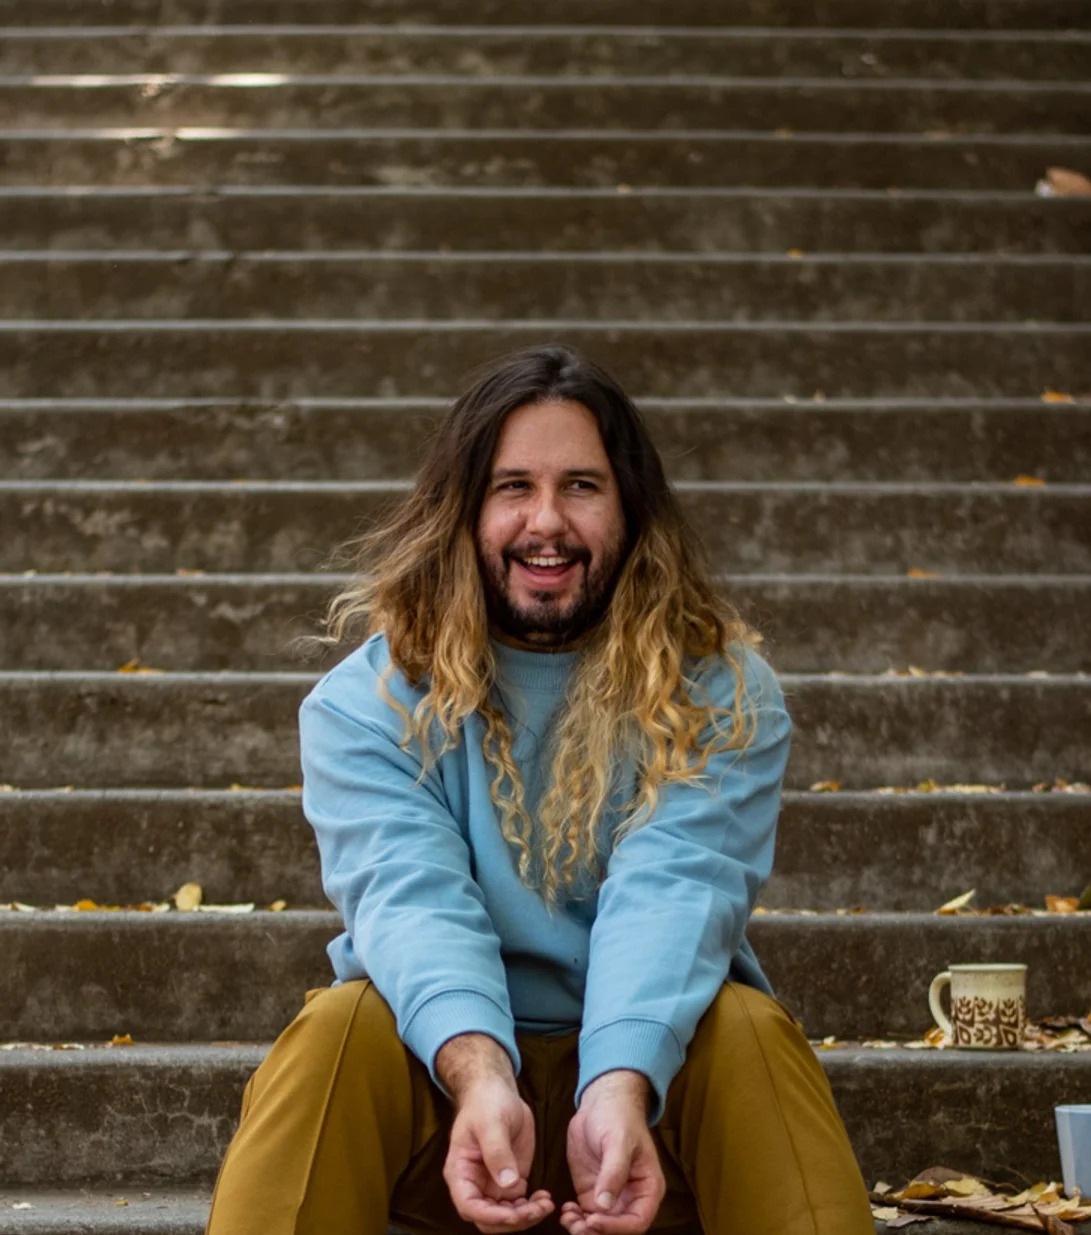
<point>677,895</point>
<point>397,867</point>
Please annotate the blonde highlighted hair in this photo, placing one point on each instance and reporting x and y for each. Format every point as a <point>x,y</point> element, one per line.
<point>632,705</point>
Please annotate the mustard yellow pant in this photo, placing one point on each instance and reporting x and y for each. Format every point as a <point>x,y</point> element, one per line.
<point>342,1130</point>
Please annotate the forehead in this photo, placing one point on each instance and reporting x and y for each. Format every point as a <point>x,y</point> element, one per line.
<point>559,433</point>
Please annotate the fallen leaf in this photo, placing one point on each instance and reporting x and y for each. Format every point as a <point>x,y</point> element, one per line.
<point>121,1039</point>
<point>1085,899</point>
<point>795,254</point>
<point>188,897</point>
<point>1066,183</point>
<point>825,786</point>
<point>1028,482</point>
<point>959,902</point>
<point>278,906</point>
<point>134,666</point>
<point>1056,396</point>
<point>1062,904</point>
<point>922,574</point>
<point>22,1205</point>
<point>121,1201</point>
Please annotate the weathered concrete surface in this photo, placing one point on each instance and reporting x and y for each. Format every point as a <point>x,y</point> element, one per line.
<point>499,158</point>
<point>149,1114</point>
<point>578,220</point>
<point>838,850</point>
<point>913,14</point>
<point>158,1210</point>
<point>882,440</point>
<point>454,102</point>
<point>623,51</point>
<point>976,624</point>
<point>719,288</point>
<point>189,977</point>
<point>213,730</point>
<point>283,360</point>
<point>873,529</point>
<point>834,850</point>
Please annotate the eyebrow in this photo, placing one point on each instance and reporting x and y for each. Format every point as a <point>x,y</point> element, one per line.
<point>572,473</point>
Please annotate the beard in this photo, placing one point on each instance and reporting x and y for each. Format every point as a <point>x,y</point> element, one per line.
<point>548,620</point>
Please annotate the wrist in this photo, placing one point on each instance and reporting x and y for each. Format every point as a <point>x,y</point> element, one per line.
<point>620,1084</point>
<point>472,1059</point>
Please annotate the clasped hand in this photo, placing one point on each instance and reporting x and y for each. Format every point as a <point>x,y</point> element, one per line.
<point>611,1156</point>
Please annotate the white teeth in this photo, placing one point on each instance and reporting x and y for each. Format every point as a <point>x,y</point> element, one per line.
<point>546,561</point>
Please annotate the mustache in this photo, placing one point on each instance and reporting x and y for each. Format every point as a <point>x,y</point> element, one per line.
<point>574,553</point>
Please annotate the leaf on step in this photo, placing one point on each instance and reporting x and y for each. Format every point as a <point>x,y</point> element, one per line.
<point>795,254</point>
<point>1057,396</point>
<point>188,897</point>
<point>825,786</point>
<point>1028,482</point>
<point>134,666</point>
<point>959,902</point>
<point>1062,904</point>
<point>885,1213</point>
<point>922,574</point>
<point>122,1039</point>
<point>1084,902</point>
<point>278,906</point>
<point>1066,183</point>
<point>121,1201</point>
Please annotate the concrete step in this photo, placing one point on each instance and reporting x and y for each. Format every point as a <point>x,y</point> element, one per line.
<point>282,360</point>
<point>949,440</point>
<point>501,158</point>
<point>214,730</point>
<point>182,1211</point>
<point>655,287</point>
<point>917,14</point>
<point>84,976</point>
<point>834,850</point>
<point>165,1114</point>
<point>975,624</point>
<point>577,220</point>
<point>520,101</point>
<point>617,51</point>
<point>152,1210</point>
<point>273,526</point>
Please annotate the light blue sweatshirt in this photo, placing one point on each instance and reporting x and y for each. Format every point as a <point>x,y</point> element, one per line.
<point>435,913</point>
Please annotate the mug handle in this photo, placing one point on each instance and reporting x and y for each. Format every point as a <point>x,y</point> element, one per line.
<point>938,983</point>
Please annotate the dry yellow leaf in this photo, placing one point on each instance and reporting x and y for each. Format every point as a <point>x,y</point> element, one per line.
<point>86,904</point>
<point>121,1201</point>
<point>795,254</point>
<point>278,906</point>
<point>921,574</point>
<point>122,1039</point>
<point>188,896</point>
<point>966,1186</point>
<point>1056,396</point>
<point>826,786</point>
<point>959,902</point>
<point>1062,904</point>
<point>1029,482</point>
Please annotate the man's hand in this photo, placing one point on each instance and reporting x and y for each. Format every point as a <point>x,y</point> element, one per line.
<point>492,1138</point>
<point>615,1169</point>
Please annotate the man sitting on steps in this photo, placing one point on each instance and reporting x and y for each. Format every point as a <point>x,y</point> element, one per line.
<point>545,794</point>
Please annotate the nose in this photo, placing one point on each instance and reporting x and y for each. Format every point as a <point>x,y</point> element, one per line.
<point>545,520</point>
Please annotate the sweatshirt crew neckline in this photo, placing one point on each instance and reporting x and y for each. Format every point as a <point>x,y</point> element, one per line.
<point>537,671</point>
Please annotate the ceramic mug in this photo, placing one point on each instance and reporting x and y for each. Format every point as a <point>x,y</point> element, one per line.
<point>988,1006</point>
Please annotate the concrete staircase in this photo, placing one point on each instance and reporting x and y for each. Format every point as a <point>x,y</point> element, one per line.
<point>248,249</point>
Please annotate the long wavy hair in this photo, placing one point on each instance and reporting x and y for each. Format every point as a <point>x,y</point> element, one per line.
<point>633,719</point>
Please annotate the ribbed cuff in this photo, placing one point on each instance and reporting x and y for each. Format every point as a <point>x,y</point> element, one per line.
<point>642,1046</point>
<point>452,1013</point>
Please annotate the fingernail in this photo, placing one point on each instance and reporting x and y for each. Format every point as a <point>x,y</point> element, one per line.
<point>605,1199</point>
<point>507,1178</point>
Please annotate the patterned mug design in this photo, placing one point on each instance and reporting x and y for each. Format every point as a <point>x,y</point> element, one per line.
<point>995,1023</point>
<point>988,1006</point>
